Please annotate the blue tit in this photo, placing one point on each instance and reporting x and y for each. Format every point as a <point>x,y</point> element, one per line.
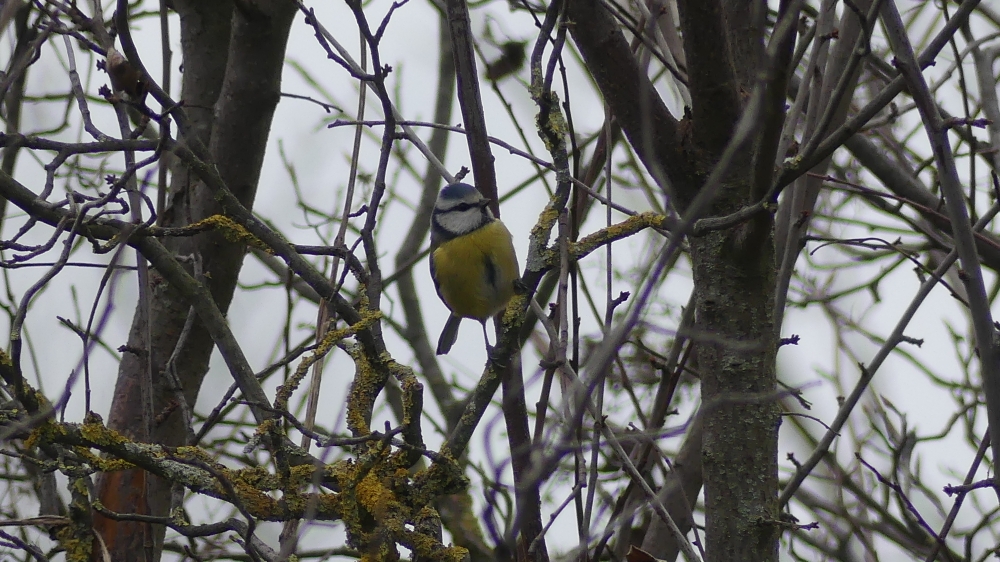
<point>473,263</point>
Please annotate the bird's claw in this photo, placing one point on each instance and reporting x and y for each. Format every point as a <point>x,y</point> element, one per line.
<point>493,356</point>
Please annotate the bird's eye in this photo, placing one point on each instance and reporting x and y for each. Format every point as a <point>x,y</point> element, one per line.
<point>463,207</point>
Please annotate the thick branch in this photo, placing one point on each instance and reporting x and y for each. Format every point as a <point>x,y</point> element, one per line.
<point>715,92</point>
<point>471,101</point>
<point>648,125</point>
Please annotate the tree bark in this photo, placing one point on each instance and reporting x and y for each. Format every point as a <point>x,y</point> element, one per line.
<point>232,72</point>
<point>733,269</point>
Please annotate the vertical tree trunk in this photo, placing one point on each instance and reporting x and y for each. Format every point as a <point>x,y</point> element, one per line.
<point>737,363</point>
<point>733,269</point>
<point>232,72</point>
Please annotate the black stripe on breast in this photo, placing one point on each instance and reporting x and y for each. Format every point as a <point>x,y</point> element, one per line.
<point>491,272</point>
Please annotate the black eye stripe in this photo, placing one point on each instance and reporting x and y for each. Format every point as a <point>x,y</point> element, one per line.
<point>459,208</point>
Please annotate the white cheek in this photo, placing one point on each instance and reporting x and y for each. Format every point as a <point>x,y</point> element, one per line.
<point>460,222</point>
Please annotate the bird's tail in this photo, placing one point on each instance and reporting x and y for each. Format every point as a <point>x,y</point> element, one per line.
<point>449,335</point>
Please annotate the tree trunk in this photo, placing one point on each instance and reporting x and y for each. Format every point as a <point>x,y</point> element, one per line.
<point>232,72</point>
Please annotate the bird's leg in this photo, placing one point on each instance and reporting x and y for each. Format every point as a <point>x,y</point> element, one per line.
<point>491,351</point>
<point>520,288</point>
<point>486,338</point>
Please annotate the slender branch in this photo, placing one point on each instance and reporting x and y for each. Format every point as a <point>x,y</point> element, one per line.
<point>868,371</point>
<point>962,233</point>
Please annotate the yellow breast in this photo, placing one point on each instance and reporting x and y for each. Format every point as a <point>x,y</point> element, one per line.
<point>474,274</point>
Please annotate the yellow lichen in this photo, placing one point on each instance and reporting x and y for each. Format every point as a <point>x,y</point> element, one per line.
<point>363,392</point>
<point>259,503</point>
<point>546,219</point>
<point>188,452</point>
<point>619,231</point>
<point>379,501</point>
<point>512,314</point>
<point>103,464</point>
<point>43,433</point>
<point>94,431</point>
<point>557,123</point>
<point>77,549</point>
<point>329,340</point>
<point>232,231</point>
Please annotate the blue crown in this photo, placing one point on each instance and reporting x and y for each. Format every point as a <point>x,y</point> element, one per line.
<point>456,191</point>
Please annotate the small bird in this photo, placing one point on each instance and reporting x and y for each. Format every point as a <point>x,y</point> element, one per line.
<point>473,262</point>
<point>125,77</point>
